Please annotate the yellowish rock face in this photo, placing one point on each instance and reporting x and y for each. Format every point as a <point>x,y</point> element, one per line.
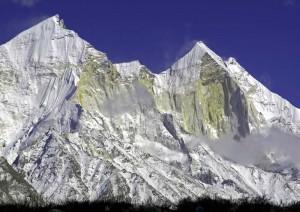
<point>95,84</point>
<point>207,106</point>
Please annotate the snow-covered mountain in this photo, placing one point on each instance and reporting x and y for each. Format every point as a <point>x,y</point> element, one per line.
<point>74,126</point>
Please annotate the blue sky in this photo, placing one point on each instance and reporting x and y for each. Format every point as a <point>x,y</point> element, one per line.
<point>263,35</point>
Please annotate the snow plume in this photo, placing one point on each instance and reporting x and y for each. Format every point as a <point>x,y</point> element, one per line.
<point>274,149</point>
<point>26,3</point>
<point>185,47</point>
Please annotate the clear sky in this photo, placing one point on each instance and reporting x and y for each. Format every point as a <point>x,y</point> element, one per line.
<point>263,35</point>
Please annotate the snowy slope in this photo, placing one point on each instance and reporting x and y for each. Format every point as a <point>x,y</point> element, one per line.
<point>14,189</point>
<point>78,127</point>
<point>270,107</point>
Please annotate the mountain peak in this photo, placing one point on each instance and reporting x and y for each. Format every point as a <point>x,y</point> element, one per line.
<point>202,45</point>
<point>56,20</point>
<point>194,57</point>
<point>49,25</point>
<point>48,42</point>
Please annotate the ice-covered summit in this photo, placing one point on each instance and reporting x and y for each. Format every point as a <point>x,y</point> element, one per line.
<point>48,42</point>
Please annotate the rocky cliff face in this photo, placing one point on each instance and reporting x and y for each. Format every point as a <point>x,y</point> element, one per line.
<point>77,127</point>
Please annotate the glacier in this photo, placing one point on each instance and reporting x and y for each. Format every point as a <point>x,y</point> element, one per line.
<point>76,127</point>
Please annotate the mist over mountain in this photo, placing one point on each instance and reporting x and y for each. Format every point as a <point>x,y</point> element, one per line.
<point>271,149</point>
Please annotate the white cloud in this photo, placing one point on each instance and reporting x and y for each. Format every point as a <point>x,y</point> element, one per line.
<point>289,2</point>
<point>275,150</point>
<point>26,3</point>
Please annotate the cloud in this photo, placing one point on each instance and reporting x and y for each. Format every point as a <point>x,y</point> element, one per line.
<point>289,2</point>
<point>26,3</point>
<point>274,151</point>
